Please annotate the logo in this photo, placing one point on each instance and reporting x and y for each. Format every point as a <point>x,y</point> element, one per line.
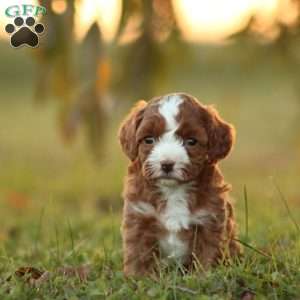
<point>24,31</point>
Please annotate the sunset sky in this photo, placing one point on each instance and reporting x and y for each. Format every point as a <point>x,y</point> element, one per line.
<point>199,20</point>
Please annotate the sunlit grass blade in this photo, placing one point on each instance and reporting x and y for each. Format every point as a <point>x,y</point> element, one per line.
<point>246,213</point>
<point>284,201</point>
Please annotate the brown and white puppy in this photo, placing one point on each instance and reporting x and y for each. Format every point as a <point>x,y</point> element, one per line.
<point>175,200</point>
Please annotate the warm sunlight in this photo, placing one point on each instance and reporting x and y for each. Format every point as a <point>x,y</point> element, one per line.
<point>106,13</point>
<point>213,20</point>
<point>199,20</point>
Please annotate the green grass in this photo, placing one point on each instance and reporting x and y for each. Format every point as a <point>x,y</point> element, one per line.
<point>60,207</point>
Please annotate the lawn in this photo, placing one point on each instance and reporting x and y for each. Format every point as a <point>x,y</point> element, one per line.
<point>60,207</point>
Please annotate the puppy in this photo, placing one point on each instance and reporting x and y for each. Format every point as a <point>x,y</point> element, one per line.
<point>175,200</point>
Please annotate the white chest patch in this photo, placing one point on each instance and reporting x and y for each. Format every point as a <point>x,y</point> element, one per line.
<point>175,217</point>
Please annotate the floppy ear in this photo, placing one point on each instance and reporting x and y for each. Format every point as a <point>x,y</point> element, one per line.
<point>221,136</point>
<point>127,131</point>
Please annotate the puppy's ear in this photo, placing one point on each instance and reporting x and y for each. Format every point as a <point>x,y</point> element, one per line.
<point>127,131</point>
<point>221,136</point>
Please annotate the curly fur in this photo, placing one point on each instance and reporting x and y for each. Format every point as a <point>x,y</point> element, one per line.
<point>186,217</point>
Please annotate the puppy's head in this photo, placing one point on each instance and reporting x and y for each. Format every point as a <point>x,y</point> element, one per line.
<point>174,136</point>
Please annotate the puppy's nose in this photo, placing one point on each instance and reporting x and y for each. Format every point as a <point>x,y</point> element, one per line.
<point>167,166</point>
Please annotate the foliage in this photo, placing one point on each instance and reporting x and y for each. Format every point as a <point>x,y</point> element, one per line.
<point>60,211</point>
<point>82,260</point>
<point>72,77</point>
<point>78,73</point>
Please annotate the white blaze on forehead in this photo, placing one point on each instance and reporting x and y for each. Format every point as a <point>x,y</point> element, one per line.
<point>169,145</point>
<point>169,109</point>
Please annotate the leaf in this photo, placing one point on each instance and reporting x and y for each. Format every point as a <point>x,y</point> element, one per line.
<point>104,75</point>
<point>130,9</point>
<point>35,277</point>
<point>186,290</point>
<point>247,295</point>
<point>42,279</point>
<point>17,200</point>
<point>32,275</point>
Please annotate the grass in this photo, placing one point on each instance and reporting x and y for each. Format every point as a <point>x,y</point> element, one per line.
<point>49,243</point>
<point>60,208</point>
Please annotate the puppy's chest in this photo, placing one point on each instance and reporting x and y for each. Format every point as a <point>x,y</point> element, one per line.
<point>175,217</point>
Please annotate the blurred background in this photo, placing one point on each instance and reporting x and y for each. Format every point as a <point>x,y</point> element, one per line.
<point>61,105</point>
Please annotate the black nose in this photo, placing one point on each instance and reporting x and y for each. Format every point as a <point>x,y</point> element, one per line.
<point>167,166</point>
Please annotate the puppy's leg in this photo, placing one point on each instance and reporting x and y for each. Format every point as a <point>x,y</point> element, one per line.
<point>139,244</point>
<point>207,246</point>
<point>234,247</point>
<point>215,240</point>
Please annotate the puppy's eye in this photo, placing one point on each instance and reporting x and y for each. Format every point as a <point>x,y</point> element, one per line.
<point>149,140</point>
<point>190,142</point>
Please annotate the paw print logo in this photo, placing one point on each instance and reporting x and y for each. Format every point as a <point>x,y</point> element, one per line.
<point>22,34</point>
